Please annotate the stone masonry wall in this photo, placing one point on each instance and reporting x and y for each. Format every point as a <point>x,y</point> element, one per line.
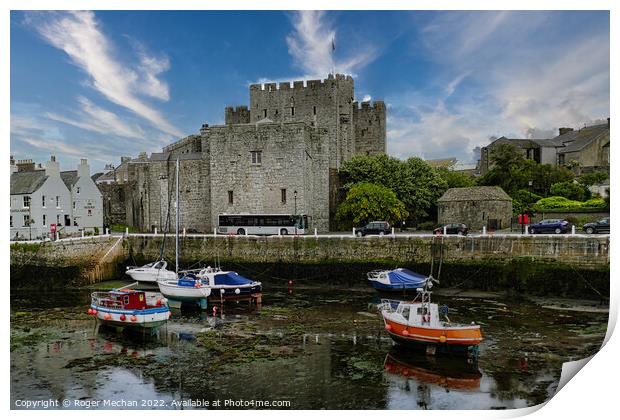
<point>370,128</point>
<point>475,214</point>
<point>293,157</point>
<point>238,115</point>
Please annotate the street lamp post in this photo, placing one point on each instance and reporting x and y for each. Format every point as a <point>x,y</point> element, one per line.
<point>295,201</point>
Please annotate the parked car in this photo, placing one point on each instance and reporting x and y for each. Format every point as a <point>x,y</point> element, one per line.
<point>374,228</point>
<point>452,229</point>
<point>601,226</point>
<point>550,226</point>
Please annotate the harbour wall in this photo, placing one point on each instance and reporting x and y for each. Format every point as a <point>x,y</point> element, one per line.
<point>566,265</point>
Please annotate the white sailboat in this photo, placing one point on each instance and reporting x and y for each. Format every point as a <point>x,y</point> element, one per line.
<point>183,289</point>
<point>151,272</point>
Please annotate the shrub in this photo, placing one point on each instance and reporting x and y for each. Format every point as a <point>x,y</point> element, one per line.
<point>570,190</point>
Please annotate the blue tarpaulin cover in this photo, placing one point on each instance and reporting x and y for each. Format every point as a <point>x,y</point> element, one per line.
<point>401,277</point>
<point>231,279</point>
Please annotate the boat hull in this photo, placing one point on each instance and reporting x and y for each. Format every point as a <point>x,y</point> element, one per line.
<point>391,287</point>
<point>150,277</point>
<point>184,293</point>
<point>459,338</point>
<point>147,319</point>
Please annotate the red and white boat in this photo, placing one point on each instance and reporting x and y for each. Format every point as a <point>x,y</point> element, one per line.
<point>129,308</point>
<point>417,323</point>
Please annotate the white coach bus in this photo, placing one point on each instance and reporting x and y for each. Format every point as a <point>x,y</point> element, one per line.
<point>263,224</point>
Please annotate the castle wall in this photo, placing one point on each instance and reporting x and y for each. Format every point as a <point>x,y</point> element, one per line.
<point>238,115</point>
<point>187,145</point>
<point>370,128</point>
<point>319,103</point>
<point>293,157</point>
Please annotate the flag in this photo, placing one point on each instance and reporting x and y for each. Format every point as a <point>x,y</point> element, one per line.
<point>333,45</point>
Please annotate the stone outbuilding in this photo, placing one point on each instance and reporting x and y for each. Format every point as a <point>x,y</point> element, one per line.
<point>476,207</point>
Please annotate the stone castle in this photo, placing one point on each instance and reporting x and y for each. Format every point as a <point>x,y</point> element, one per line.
<point>280,154</point>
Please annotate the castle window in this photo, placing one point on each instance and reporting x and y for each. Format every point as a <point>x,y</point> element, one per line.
<point>257,157</point>
<point>292,110</point>
<point>314,110</point>
<point>283,194</point>
<point>264,113</point>
<point>230,197</point>
<point>44,220</point>
<point>57,201</point>
<point>43,201</point>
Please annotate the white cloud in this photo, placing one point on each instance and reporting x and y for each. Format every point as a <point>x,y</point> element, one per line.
<point>312,43</point>
<point>79,35</point>
<point>97,119</point>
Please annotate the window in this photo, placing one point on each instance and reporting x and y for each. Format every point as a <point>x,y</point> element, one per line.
<point>58,219</point>
<point>43,201</point>
<point>90,212</point>
<point>27,201</point>
<point>44,220</point>
<point>257,157</point>
<point>283,195</point>
<point>11,221</point>
<point>230,197</point>
<point>57,201</point>
<point>314,110</point>
<point>74,205</point>
<point>264,113</point>
<point>292,110</point>
<point>26,220</point>
<point>77,190</point>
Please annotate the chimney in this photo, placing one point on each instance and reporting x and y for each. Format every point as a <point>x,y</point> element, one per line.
<point>13,165</point>
<point>564,130</point>
<point>83,170</point>
<point>52,168</point>
<point>25,165</point>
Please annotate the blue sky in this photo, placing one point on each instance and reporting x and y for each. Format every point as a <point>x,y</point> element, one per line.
<point>106,84</point>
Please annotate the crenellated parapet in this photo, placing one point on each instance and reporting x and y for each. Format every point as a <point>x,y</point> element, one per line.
<point>237,115</point>
<point>299,85</point>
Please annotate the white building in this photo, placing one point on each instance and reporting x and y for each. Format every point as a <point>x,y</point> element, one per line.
<point>41,198</point>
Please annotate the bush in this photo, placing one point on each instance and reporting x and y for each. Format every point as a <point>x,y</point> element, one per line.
<point>570,190</point>
<point>564,204</point>
<point>596,203</point>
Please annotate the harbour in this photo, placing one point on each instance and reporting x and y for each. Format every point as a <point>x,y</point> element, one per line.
<point>315,346</point>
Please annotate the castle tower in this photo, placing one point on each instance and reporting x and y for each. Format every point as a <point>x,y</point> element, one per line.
<point>325,104</point>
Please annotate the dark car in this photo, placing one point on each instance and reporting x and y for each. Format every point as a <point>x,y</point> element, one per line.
<point>602,226</point>
<point>374,228</point>
<point>452,229</point>
<point>550,226</point>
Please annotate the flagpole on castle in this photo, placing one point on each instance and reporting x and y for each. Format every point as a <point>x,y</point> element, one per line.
<point>332,54</point>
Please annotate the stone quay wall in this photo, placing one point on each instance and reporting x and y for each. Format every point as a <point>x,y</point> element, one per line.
<point>584,252</point>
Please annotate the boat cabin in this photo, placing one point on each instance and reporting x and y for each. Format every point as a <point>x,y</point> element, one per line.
<point>128,299</point>
<point>419,314</point>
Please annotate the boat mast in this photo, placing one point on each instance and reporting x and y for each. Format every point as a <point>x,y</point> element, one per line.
<point>177,219</point>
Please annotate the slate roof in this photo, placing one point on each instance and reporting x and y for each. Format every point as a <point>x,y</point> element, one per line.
<point>475,194</point>
<point>69,178</point>
<point>441,163</point>
<point>27,182</point>
<point>578,139</point>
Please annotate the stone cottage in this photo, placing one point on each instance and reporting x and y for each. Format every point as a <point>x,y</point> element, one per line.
<point>476,207</point>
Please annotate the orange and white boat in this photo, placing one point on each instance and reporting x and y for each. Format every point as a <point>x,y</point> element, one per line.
<point>417,323</point>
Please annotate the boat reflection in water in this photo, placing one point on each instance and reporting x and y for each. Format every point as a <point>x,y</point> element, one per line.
<point>447,372</point>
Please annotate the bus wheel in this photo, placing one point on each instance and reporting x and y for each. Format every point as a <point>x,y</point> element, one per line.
<point>283,232</point>
<point>240,231</point>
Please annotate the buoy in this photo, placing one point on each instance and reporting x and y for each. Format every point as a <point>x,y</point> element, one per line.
<point>133,318</point>
<point>197,285</point>
<point>123,317</point>
<point>405,332</point>
<point>290,282</point>
<point>237,291</point>
<point>90,311</point>
<point>107,316</point>
<point>388,327</point>
<point>442,339</point>
<point>94,312</point>
<point>158,302</point>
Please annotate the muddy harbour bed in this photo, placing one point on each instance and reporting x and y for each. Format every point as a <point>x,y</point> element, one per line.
<point>307,347</point>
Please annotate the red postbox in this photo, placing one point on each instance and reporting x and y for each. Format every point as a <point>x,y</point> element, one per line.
<point>53,227</point>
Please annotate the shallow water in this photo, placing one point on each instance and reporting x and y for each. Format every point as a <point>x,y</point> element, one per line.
<point>310,348</point>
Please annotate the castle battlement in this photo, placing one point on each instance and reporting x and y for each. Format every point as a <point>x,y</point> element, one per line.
<point>299,84</point>
<point>366,105</point>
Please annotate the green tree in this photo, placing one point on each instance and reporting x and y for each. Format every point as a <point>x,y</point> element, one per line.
<point>366,202</point>
<point>592,178</point>
<point>413,181</point>
<point>455,179</point>
<point>570,190</point>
